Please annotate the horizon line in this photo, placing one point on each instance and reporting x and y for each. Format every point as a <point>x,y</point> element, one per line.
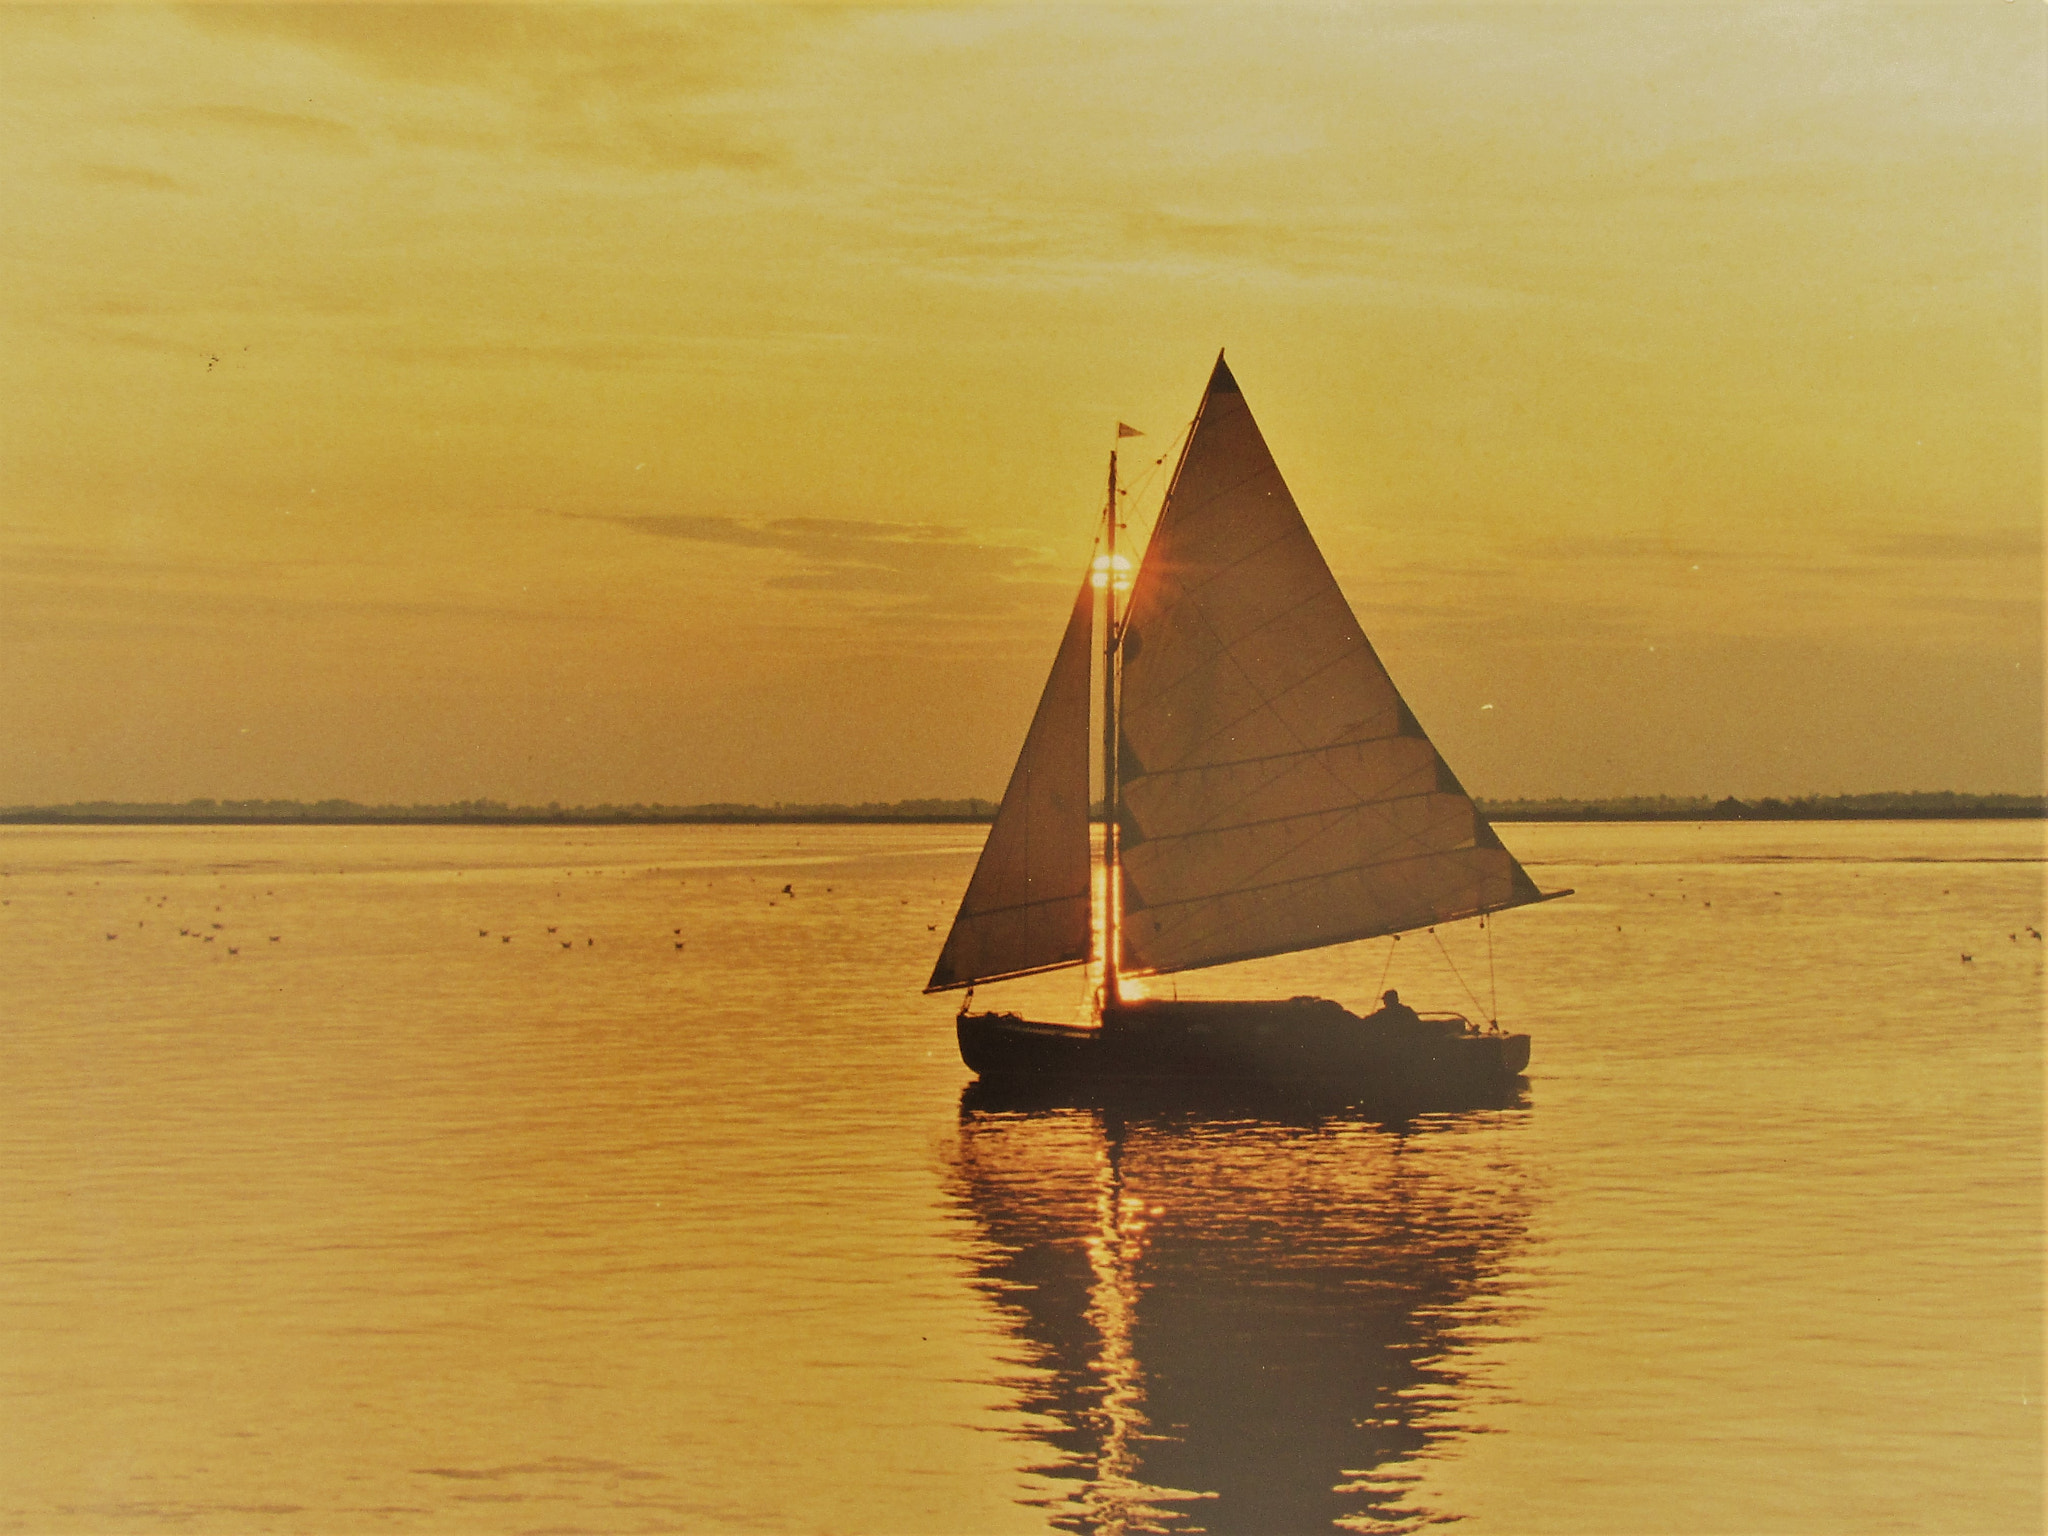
<point>1867,805</point>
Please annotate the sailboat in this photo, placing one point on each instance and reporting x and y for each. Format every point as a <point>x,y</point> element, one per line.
<point>1265,791</point>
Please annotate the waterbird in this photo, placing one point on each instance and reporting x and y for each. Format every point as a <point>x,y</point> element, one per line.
<point>1966,957</point>
<point>232,950</point>
<point>113,935</point>
<point>787,891</point>
<point>590,941</point>
<point>504,938</point>
<point>483,933</point>
<point>551,928</point>
<point>275,937</point>
<point>566,943</point>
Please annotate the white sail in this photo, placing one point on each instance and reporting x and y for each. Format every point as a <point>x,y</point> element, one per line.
<point>1276,793</point>
<point>1026,909</point>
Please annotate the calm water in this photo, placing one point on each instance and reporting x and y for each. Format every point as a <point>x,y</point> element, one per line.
<point>337,1212</point>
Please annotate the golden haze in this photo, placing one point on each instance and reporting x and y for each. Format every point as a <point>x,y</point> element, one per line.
<point>678,404</point>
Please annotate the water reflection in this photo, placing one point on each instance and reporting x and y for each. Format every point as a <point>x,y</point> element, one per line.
<point>1240,1316</point>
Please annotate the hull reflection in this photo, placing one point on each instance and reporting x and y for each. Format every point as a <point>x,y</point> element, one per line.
<point>1172,1100</point>
<point>1238,1317</point>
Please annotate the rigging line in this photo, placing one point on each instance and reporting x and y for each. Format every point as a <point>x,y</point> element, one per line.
<point>1492,981</point>
<point>1387,969</point>
<point>1186,442</point>
<point>1136,493</point>
<point>1454,967</point>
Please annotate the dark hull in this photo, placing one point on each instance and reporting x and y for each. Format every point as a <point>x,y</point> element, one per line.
<point>1303,1041</point>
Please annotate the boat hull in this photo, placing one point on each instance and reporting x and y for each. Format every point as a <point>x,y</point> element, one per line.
<point>1301,1040</point>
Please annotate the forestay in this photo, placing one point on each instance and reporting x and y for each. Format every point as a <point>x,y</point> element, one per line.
<point>1276,793</point>
<point>1026,908</point>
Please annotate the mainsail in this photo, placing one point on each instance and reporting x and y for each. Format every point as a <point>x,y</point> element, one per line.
<point>1026,908</point>
<point>1276,792</point>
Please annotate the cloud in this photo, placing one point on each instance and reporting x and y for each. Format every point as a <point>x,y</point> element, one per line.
<point>929,567</point>
<point>50,587</point>
<point>653,88</point>
<point>1978,586</point>
<point>595,352</point>
<point>619,50</point>
<point>2002,544</point>
<point>1054,237</point>
<point>299,127</point>
<point>128,176</point>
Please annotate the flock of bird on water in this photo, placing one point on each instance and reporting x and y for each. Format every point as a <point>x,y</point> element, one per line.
<point>787,890</point>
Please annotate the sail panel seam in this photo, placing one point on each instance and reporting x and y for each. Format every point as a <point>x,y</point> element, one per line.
<point>1198,508</point>
<point>1408,850</point>
<point>1270,757</point>
<point>1036,970</point>
<point>1354,807</point>
<point>1022,906</point>
<point>1210,897</point>
<point>1226,653</point>
<point>1225,647</point>
<point>1347,937</point>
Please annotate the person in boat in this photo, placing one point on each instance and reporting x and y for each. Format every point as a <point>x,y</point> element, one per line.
<point>1392,1012</point>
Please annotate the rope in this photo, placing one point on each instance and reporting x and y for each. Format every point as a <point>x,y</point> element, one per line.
<point>1454,967</point>
<point>1492,982</point>
<point>1137,490</point>
<point>1381,990</point>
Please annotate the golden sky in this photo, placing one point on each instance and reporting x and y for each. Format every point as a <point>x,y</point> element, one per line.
<point>696,403</point>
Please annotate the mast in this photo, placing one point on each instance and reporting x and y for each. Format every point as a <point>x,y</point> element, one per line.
<point>1109,735</point>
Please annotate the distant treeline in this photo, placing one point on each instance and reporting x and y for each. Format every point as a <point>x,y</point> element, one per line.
<point>1887,807</point>
<point>494,812</point>
<point>1916,806</point>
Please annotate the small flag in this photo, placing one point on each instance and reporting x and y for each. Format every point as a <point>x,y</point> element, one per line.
<point>1126,431</point>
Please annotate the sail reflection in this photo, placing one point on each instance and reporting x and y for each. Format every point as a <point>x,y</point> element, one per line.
<point>1239,1318</point>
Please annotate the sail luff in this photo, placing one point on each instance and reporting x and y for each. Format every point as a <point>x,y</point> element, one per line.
<point>1026,908</point>
<point>1277,792</point>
